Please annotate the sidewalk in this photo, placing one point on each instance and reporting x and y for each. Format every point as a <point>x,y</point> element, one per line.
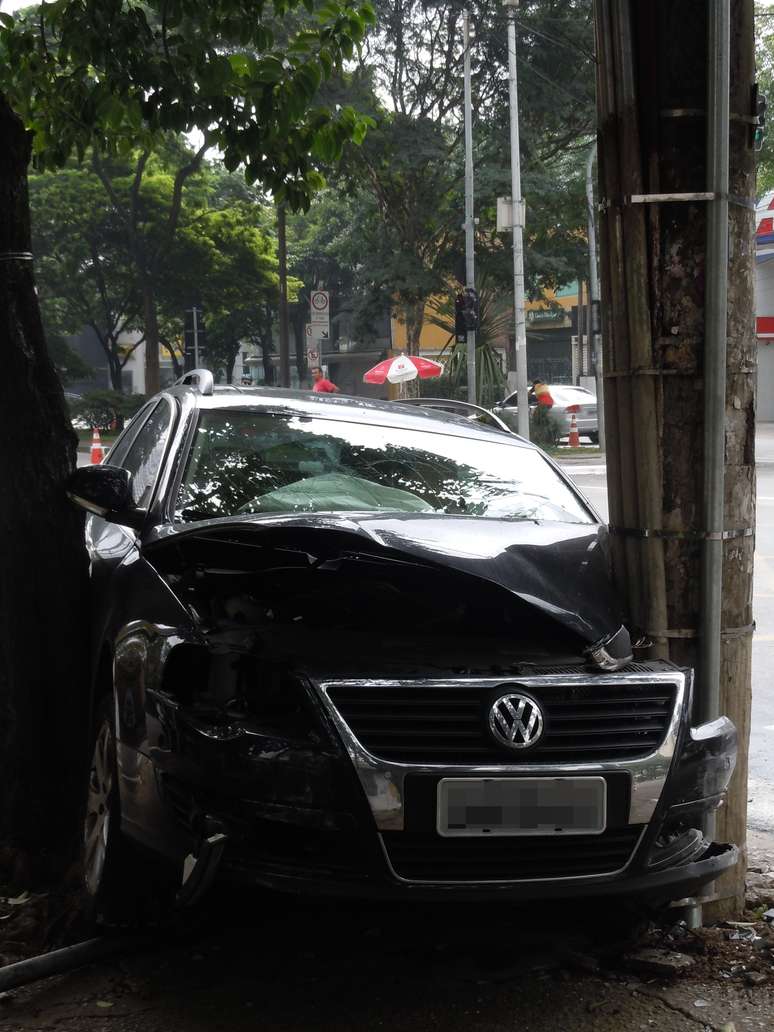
<point>764,444</point>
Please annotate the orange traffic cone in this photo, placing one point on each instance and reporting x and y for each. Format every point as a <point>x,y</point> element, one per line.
<point>574,439</point>
<point>97,454</point>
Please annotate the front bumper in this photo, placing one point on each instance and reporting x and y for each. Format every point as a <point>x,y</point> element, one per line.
<point>648,886</point>
<point>652,847</point>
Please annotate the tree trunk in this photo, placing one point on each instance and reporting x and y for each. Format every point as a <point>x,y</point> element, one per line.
<point>414,314</point>
<point>116,369</point>
<point>300,340</point>
<point>177,366</point>
<point>44,605</point>
<point>152,380</point>
<point>231,358</point>
<point>652,97</point>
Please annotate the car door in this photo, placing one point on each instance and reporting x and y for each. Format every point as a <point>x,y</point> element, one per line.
<point>141,451</point>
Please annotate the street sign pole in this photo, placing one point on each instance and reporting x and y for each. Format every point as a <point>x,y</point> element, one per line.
<point>194,313</point>
<point>518,238</point>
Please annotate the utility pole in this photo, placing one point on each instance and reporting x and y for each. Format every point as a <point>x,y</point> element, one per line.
<point>470,223</point>
<point>195,321</point>
<point>284,337</point>
<point>675,100</point>
<point>517,219</point>
<point>593,327</point>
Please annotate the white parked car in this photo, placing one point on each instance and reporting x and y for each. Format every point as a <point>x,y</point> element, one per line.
<point>565,396</point>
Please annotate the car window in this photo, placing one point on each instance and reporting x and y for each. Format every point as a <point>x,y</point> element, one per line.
<point>144,456</point>
<point>253,462</point>
<point>115,455</point>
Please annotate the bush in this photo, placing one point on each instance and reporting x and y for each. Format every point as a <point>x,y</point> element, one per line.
<point>544,428</point>
<point>106,410</point>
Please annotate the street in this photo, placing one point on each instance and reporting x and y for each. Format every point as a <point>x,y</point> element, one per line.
<point>590,477</point>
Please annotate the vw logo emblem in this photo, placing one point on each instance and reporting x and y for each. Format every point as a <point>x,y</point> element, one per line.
<point>515,721</point>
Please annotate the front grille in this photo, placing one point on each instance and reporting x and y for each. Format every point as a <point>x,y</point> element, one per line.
<point>425,856</point>
<point>446,724</point>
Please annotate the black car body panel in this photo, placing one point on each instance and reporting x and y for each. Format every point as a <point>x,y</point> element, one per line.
<point>244,655</point>
<point>560,569</point>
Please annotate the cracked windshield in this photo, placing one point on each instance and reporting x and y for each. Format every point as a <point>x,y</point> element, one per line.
<point>254,462</point>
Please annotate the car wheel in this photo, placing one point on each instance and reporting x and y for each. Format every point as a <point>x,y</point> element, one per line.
<point>123,885</point>
<point>593,437</point>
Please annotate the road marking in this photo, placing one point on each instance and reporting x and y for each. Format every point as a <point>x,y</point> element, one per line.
<point>768,727</point>
<point>763,637</point>
<point>574,470</point>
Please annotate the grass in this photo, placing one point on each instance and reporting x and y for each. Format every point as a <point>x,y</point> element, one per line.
<point>84,437</point>
<point>582,452</point>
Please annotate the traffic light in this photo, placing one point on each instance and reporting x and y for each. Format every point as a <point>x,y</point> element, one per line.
<point>460,325</point>
<point>470,309</point>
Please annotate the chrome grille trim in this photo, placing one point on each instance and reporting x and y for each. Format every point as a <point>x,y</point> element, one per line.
<point>597,876</point>
<point>383,781</point>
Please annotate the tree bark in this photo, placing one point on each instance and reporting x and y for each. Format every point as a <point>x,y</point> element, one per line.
<point>44,606</point>
<point>152,378</point>
<point>652,99</point>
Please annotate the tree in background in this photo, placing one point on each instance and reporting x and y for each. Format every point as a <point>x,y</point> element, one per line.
<point>407,180</point>
<point>84,272</point>
<point>764,65</point>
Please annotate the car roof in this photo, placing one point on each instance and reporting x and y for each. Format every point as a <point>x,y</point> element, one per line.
<point>341,406</point>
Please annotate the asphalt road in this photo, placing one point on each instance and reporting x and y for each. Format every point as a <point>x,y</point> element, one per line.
<point>590,477</point>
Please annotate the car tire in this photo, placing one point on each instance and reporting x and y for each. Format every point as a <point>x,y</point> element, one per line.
<point>123,884</point>
<point>593,437</point>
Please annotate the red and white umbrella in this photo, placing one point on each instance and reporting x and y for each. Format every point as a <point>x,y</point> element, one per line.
<point>402,368</point>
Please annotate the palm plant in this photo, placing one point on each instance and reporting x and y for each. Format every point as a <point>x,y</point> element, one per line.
<point>495,321</point>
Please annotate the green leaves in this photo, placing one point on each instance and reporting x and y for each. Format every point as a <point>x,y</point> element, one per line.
<point>215,65</point>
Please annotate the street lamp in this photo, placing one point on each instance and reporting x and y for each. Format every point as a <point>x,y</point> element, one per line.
<point>517,226</point>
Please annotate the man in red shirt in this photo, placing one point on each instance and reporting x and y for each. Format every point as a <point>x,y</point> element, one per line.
<point>321,385</point>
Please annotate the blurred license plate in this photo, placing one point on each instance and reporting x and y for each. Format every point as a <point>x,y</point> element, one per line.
<point>522,806</point>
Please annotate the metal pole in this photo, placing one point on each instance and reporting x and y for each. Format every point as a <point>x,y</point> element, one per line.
<point>518,238</point>
<point>194,314</point>
<point>282,255</point>
<point>716,315</point>
<point>470,226</point>
<point>595,330</point>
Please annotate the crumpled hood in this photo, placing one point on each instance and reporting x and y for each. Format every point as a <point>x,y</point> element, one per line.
<point>559,568</point>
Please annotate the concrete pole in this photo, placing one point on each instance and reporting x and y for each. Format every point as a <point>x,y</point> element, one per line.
<point>195,313</point>
<point>595,323</point>
<point>470,225</point>
<point>518,237</point>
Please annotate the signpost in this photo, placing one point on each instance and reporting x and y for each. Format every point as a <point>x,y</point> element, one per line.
<point>318,329</point>
<point>320,314</point>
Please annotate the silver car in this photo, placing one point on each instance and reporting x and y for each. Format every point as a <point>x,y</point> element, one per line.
<point>565,396</point>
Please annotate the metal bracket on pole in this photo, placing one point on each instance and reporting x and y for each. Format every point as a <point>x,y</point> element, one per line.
<point>699,195</point>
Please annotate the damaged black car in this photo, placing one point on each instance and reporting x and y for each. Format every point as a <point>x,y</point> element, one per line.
<point>353,647</point>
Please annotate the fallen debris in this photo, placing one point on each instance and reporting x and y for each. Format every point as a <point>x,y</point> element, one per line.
<point>655,961</point>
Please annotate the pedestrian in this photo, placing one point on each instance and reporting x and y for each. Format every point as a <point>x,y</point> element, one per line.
<point>321,385</point>
<point>541,393</point>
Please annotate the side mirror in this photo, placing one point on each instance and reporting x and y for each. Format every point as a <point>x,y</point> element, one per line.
<point>107,492</point>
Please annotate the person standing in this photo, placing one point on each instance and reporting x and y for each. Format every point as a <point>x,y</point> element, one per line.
<point>542,394</point>
<point>321,385</point>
